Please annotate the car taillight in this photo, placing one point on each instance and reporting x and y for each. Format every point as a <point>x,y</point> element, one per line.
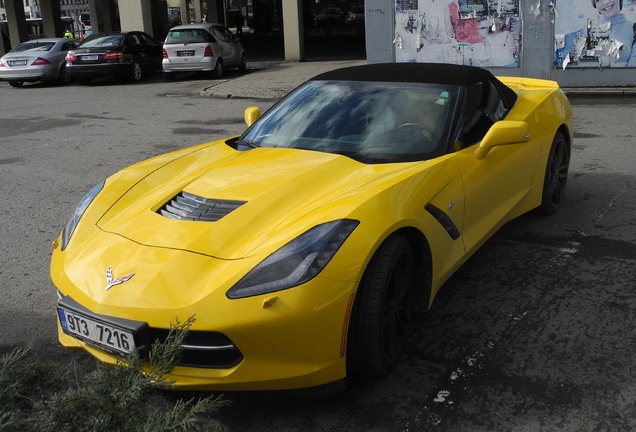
<point>113,55</point>
<point>70,57</point>
<point>165,53</point>
<point>40,61</point>
<point>208,52</point>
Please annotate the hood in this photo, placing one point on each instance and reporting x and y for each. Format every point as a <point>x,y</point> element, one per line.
<point>254,196</point>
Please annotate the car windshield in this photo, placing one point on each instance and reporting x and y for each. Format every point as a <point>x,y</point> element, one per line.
<point>372,122</point>
<point>103,41</point>
<point>187,36</point>
<point>33,46</point>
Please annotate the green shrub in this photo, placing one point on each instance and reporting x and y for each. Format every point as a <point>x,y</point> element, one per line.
<point>127,397</point>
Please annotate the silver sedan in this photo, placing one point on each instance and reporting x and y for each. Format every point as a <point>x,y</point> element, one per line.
<point>37,60</point>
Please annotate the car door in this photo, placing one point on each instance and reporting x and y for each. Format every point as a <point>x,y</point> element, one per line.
<point>497,184</point>
<point>225,39</point>
<point>152,49</point>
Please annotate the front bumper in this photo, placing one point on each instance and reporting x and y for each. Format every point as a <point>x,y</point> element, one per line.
<point>290,339</point>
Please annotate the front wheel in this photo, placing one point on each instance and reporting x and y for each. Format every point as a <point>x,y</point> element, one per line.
<point>383,309</point>
<point>556,175</point>
<point>65,75</point>
<point>16,83</point>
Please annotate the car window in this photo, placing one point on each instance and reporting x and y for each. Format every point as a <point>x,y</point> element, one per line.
<point>147,39</point>
<point>220,34</point>
<point>368,121</point>
<point>483,106</point>
<point>135,39</point>
<point>103,41</point>
<point>33,46</point>
<point>184,36</point>
<point>68,45</point>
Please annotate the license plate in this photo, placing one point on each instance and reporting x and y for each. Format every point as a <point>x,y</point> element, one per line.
<point>90,58</point>
<point>185,53</point>
<point>18,63</point>
<point>101,334</point>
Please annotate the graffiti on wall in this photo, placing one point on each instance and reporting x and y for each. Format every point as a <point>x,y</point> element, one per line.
<point>594,33</point>
<point>483,33</point>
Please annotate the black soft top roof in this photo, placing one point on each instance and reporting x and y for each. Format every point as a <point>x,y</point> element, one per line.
<point>433,73</point>
<point>437,73</point>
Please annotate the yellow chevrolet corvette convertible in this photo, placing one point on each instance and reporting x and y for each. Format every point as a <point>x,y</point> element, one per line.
<point>304,246</point>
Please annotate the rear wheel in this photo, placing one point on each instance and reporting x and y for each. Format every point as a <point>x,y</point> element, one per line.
<point>383,309</point>
<point>218,69</point>
<point>556,175</point>
<point>135,72</point>
<point>65,75</point>
<point>15,83</point>
<point>243,64</point>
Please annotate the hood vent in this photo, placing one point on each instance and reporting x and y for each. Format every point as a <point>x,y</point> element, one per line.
<point>190,207</point>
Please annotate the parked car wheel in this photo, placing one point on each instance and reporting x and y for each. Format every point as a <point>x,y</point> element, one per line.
<point>15,83</point>
<point>218,69</point>
<point>65,75</point>
<point>383,310</point>
<point>243,64</point>
<point>170,76</point>
<point>556,175</point>
<point>135,72</point>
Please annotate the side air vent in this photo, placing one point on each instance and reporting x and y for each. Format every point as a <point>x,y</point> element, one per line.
<point>187,206</point>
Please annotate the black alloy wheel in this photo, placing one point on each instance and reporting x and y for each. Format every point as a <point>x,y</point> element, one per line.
<point>65,75</point>
<point>556,175</point>
<point>383,310</point>
<point>135,71</point>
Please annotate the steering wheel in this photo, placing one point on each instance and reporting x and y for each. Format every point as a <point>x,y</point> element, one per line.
<point>426,131</point>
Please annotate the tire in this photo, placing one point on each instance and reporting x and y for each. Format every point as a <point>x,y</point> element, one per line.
<point>243,63</point>
<point>556,175</point>
<point>65,75</point>
<point>16,83</point>
<point>383,310</point>
<point>218,69</point>
<point>135,72</point>
<point>169,76</point>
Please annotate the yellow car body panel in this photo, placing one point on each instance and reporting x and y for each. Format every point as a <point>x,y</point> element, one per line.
<point>296,337</point>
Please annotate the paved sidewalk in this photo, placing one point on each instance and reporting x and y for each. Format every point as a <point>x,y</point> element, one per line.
<point>274,79</point>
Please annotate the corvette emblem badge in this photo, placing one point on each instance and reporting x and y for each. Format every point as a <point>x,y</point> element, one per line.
<point>111,282</point>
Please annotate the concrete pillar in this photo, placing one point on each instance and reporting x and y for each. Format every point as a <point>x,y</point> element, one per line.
<point>51,22</point>
<point>18,31</point>
<point>136,15</point>
<point>293,37</point>
<point>185,11</point>
<point>104,17</point>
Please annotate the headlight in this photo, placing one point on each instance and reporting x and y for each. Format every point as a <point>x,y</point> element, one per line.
<point>297,262</point>
<point>79,211</point>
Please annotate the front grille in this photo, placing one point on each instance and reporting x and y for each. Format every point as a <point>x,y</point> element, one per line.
<point>187,206</point>
<point>204,349</point>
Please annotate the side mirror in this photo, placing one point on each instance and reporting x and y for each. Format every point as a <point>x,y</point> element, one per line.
<point>251,114</point>
<point>503,132</point>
